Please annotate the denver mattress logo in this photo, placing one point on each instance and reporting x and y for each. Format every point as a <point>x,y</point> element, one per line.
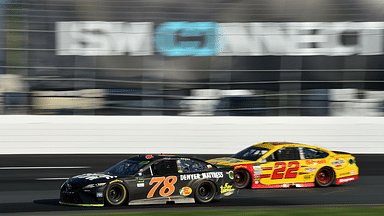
<point>201,175</point>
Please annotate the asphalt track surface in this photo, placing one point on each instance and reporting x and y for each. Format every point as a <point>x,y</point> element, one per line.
<point>29,185</point>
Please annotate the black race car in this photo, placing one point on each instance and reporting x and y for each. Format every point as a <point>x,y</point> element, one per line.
<point>150,179</point>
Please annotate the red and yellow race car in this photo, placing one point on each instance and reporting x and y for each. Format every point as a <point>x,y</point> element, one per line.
<point>282,165</point>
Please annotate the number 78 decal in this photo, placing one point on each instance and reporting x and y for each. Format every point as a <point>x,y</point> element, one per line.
<point>168,187</point>
<point>280,167</point>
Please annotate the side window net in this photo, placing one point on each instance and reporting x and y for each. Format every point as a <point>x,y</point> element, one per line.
<point>310,153</point>
<point>188,166</point>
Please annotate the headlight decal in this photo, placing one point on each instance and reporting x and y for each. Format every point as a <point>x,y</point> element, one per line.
<point>352,161</point>
<point>94,185</point>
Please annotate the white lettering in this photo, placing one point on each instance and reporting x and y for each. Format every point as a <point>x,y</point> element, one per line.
<point>346,180</point>
<point>98,38</point>
<point>188,177</point>
<point>95,38</point>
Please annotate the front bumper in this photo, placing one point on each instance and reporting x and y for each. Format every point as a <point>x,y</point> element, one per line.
<point>81,198</point>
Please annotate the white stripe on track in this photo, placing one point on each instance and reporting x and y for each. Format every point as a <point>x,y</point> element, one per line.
<point>21,168</point>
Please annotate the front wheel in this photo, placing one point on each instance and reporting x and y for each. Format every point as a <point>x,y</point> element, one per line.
<point>325,177</point>
<point>115,194</point>
<point>242,178</point>
<point>205,192</point>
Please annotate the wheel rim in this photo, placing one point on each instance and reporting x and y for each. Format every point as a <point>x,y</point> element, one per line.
<point>115,194</point>
<point>240,177</point>
<point>324,176</point>
<point>205,191</point>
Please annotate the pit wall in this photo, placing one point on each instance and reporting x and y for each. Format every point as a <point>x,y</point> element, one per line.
<point>28,134</point>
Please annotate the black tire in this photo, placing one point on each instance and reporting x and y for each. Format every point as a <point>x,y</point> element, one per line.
<point>205,192</point>
<point>325,177</point>
<point>115,194</point>
<point>242,178</point>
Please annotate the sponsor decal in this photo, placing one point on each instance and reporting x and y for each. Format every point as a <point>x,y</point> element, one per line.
<point>346,180</point>
<point>139,180</point>
<point>257,182</point>
<point>117,180</point>
<point>226,188</point>
<point>312,169</point>
<point>307,176</point>
<point>140,184</point>
<point>337,162</point>
<point>257,172</point>
<point>209,166</point>
<point>351,161</point>
<point>185,191</point>
<point>315,162</point>
<point>149,157</point>
<point>352,172</point>
<point>99,194</point>
<point>188,177</point>
<point>212,175</point>
<point>185,159</point>
<point>144,162</point>
<point>93,176</point>
<point>257,176</point>
<point>343,174</point>
<point>230,174</point>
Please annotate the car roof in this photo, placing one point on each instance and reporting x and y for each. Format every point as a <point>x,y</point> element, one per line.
<point>277,145</point>
<point>152,157</point>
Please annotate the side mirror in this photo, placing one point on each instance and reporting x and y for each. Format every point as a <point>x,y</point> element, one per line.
<point>263,160</point>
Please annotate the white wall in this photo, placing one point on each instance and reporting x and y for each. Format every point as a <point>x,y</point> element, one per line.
<point>183,135</point>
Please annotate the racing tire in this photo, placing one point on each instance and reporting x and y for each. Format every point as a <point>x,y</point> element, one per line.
<point>325,177</point>
<point>242,178</point>
<point>115,194</point>
<point>205,192</point>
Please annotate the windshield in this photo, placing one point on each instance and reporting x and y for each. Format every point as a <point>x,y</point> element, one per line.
<point>252,153</point>
<point>127,167</point>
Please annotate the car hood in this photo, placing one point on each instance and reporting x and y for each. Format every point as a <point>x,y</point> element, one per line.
<point>89,178</point>
<point>228,161</point>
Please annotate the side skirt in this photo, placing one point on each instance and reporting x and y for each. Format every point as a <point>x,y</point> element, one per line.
<point>298,185</point>
<point>86,205</point>
<point>162,200</point>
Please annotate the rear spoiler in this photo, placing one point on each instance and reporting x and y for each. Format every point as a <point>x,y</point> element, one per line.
<point>341,152</point>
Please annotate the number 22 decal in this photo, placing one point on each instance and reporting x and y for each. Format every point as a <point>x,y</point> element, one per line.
<point>168,187</point>
<point>278,173</point>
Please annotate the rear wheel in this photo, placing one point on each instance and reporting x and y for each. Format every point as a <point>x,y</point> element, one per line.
<point>242,178</point>
<point>115,194</point>
<point>325,177</point>
<point>205,192</point>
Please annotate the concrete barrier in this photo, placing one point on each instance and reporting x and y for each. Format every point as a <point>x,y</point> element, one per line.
<point>27,134</point>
